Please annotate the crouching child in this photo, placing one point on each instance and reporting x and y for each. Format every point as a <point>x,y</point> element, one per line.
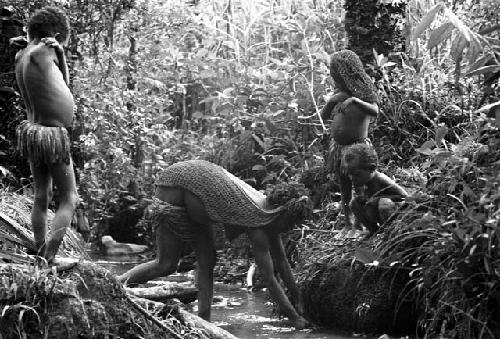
<point>375,194</point>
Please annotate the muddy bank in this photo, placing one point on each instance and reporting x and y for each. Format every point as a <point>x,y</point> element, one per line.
<point>353,297</point>
<point>346,287</point>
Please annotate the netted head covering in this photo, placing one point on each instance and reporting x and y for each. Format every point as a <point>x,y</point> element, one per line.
<point>349,67</point>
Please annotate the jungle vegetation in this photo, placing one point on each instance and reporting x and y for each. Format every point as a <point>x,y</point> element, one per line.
<point>241,84</point>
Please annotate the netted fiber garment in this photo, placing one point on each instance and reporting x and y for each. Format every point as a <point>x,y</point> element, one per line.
<point>227,199</point>
<point>350,68</point>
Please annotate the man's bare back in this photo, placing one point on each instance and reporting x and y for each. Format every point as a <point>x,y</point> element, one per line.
<point>48,99</point>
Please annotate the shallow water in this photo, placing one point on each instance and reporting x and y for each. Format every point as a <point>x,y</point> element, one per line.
<point>246,315</point>
<point>250,315</point>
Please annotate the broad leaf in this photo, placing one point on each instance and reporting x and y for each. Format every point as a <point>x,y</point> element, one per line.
<point>464,30</point>
<point>426,147</point>
<point>440,34</point>
<point>457,47</point>
<point>480,63</point>
<point>484,70</point>
<point>365,255</point>
<point>475,49</point>
<point>441,132</point>
<point>426,20</point>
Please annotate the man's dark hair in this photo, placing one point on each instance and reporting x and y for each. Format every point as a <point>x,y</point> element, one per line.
<point>48,21</point>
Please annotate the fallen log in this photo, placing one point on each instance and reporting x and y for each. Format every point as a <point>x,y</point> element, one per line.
<point>24,236</point>
<point>186,293</point>
<point>206,329</point>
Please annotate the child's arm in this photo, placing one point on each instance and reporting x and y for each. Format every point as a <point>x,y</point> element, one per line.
<point>338,97</point>
<point>369,108</point>
<point>61,58</point>
<point>387,188</point>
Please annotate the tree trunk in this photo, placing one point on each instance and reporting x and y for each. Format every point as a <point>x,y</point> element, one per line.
<point>372,25</point>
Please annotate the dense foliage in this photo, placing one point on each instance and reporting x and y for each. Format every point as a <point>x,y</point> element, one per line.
<point>241,83</point>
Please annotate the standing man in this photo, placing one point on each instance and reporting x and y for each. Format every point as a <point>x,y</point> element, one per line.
<point>42,76</point>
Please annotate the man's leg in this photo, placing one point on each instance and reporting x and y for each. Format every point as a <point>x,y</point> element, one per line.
<point>43,195</point>
<point>205,255</point>
<point>169,251</point>
<point>64,179</point>
<point>260,245</point>
<point>285,271</point>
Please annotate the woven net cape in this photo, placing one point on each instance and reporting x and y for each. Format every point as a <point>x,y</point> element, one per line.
<point>227,199</point>
<point>350,68</point>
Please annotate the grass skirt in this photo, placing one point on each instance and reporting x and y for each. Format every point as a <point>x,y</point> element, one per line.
<point>175,218</point>
<point>43,144</point>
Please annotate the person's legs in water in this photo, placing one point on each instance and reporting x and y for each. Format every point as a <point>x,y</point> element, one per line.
<point>206,257</point>
<point>205,251</point>
<point>169,251</point>
<point>282,265</point>
<point>261,249</point>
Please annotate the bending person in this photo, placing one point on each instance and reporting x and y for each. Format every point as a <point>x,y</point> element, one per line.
<point>193,195</point>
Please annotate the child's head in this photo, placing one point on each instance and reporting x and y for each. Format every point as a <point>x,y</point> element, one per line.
<point>49,22</point>
<point>360,162</point>
<point>349,75</point>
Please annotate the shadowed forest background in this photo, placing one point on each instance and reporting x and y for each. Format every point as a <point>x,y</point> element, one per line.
<point>241,84</point>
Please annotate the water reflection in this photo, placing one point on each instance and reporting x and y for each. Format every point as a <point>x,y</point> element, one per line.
<point>250,315</point>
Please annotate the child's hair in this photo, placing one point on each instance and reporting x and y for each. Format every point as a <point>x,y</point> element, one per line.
<point>48,21</point>
<point>348,66</point>
<point>363,154</point>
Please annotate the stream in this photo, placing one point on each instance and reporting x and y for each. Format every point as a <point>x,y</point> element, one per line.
<point>247,315</point>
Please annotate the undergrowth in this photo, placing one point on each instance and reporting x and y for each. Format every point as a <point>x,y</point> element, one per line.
<point>445,236</point>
